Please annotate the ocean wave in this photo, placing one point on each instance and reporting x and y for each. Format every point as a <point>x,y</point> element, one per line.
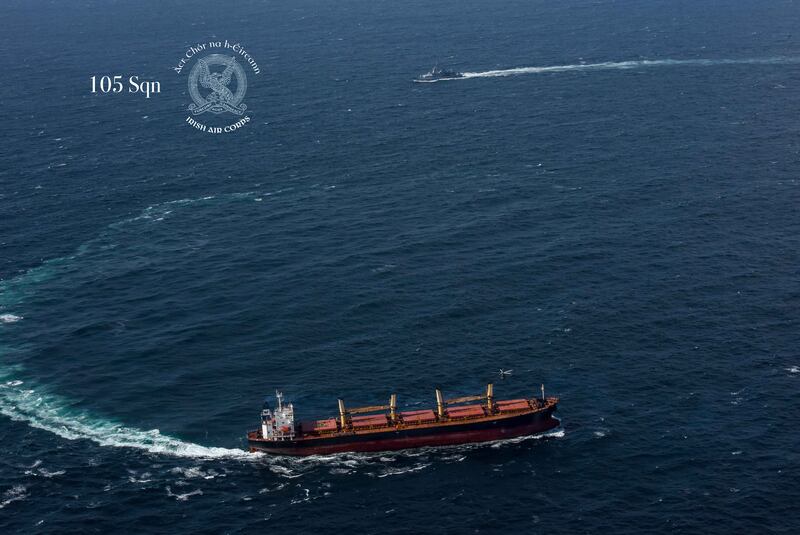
<point>554,433</point>
<point>37,470</point>
<point>135,477</point>
<point>399,471</point>
<point>196,472</point>
<point>183,497</point>
<point>9,318</point>
<point>14,494</point>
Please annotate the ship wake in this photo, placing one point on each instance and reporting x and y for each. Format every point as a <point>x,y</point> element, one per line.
<point>51,413</point>
<point>626,65</point>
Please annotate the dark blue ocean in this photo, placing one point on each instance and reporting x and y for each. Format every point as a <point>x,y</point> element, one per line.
<point>617,219</point>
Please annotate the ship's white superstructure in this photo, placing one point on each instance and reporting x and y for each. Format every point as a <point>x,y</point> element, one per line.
<point>278,424</point>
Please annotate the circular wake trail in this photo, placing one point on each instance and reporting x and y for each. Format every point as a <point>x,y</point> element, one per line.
<point>43,410</point>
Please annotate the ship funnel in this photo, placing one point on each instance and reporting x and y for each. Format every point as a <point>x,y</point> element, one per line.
<point>342,415</point>
<point>490,398</point>
<point>439,403</point>
<point>393,407</point>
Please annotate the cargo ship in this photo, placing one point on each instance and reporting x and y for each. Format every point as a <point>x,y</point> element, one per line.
<point>384,428</point>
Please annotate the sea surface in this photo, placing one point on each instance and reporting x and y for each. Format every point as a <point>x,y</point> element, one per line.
<point>607,203</point>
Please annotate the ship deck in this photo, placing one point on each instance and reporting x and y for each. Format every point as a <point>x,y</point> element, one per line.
<point>375,425</point>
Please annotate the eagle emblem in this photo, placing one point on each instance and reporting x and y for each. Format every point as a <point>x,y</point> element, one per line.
<point>210,85</point>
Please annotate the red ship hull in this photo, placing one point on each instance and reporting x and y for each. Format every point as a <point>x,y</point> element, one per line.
<point>445,433</point>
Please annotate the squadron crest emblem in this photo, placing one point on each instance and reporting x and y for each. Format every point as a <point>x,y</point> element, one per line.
<point>212,86</point>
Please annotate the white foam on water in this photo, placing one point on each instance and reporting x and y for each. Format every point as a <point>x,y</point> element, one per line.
<point>48,474</point>
<point>304,499</point>
<point>195,472</point>
<point>134,477</point>
<point>54,414</point>
<point>399,471</point>
<point>625,65</point>
<point>14,494</point>
<point>9,318</point>
<point>555,433</point>
<point>283,471</point>
<point>793,369</point>
<point>348,463</point>
<point>37,470</point>
<point>183,497</point>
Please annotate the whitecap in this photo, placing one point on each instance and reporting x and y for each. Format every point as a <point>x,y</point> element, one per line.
<point>14,494</point>
<point>9,318</point>
<point>48,474</point>
<point>556,433</point>
<point>307,497</point>
<point>384,268</point>
<point>278,487</point>
<point>195,472</point>
<point>143,478</point>
<point>283,471</point>
<point>184,497</point>
<point>399,471</point>
<point>340,471</point>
